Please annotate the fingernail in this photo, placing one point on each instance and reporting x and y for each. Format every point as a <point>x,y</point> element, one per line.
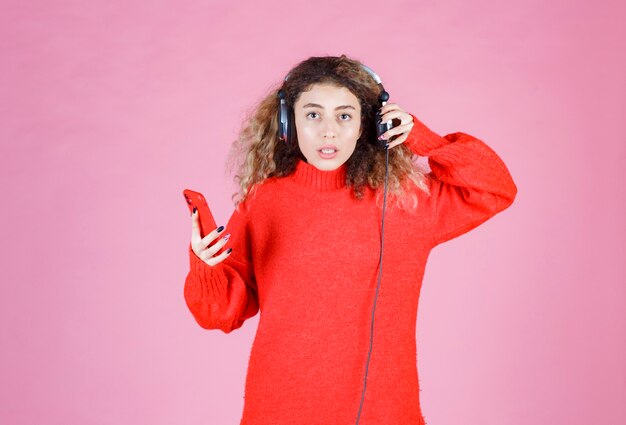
<point>194,210</point>
<point>220,229</point>
<point>226,236</point>
<point>229,250</point>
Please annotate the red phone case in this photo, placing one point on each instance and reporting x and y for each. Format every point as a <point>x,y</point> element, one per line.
<point>196,199</point>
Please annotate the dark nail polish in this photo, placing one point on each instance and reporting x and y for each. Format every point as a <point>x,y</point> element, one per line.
<point>229,250</point>
<point>219,229</point>
<point>194,210</point>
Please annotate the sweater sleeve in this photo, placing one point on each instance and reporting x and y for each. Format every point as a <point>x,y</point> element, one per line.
<point>225,295</point>
<point>469,183</point>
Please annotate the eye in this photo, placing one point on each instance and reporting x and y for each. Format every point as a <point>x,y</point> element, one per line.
<point>310,113</point>
<point>347,115</point>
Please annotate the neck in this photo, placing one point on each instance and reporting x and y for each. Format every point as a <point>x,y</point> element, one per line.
<point>321,180</point>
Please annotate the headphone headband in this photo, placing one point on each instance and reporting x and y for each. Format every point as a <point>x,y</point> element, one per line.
<point>367,69</point>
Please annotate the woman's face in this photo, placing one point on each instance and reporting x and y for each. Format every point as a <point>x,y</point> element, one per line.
<point>328,124</point>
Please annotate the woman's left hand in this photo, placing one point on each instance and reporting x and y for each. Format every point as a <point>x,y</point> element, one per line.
<point>389,112</point>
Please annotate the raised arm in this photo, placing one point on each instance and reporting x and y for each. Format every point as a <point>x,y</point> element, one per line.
<point>223,296</point>
<point>469,183</point>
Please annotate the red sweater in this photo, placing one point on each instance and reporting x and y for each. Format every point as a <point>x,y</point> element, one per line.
<point>306,253</point>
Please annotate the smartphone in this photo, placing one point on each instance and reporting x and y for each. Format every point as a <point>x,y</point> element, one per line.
<point>196,199</point>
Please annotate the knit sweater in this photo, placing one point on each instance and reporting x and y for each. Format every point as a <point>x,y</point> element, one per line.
<point>306,255</point>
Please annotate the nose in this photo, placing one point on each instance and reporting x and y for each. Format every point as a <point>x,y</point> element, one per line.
<point>329,130</point>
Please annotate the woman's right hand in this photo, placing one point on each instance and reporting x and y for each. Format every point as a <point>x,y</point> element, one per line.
<point>200,246</point>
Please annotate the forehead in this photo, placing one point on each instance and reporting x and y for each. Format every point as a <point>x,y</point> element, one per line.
<point>328,95</point>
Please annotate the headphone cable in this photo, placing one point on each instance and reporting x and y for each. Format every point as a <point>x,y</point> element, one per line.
<point>380,271</point>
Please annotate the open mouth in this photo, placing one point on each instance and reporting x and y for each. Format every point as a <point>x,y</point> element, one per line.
<point>328,152</point>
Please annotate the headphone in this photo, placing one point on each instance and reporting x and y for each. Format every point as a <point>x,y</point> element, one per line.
<point>286,124</point>
<point>286,129</point>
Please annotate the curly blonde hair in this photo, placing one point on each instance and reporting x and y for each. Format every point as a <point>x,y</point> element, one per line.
<point>258,153</point>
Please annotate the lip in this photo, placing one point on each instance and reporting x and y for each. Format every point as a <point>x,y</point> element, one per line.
<point>328,156</point>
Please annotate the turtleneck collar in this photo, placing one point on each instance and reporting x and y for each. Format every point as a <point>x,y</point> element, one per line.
<point>322,180</point>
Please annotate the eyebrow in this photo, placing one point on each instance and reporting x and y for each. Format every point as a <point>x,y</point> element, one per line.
<point>315,105</point>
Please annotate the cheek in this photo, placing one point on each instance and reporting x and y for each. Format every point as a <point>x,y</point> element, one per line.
<point>305,128</point>
<point>355,132</point>
<point>306,138</point>
<point>304,133</point>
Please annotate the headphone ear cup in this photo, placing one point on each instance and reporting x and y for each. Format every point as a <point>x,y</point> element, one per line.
<point>291,127</point>
<point>282,124</point>
<point>286,124</point>
<point>283,117</point>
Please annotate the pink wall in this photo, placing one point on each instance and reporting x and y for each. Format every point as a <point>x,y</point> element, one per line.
<point>110,109</point>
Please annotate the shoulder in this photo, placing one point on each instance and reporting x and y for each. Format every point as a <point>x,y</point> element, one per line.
<point>260,196</point>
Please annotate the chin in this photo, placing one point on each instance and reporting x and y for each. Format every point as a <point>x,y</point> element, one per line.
<point>326,165</point>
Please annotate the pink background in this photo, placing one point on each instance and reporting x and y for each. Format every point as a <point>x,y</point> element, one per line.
<point>110,109</point>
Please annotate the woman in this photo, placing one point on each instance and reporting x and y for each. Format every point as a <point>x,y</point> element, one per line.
<point>304,247</point>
